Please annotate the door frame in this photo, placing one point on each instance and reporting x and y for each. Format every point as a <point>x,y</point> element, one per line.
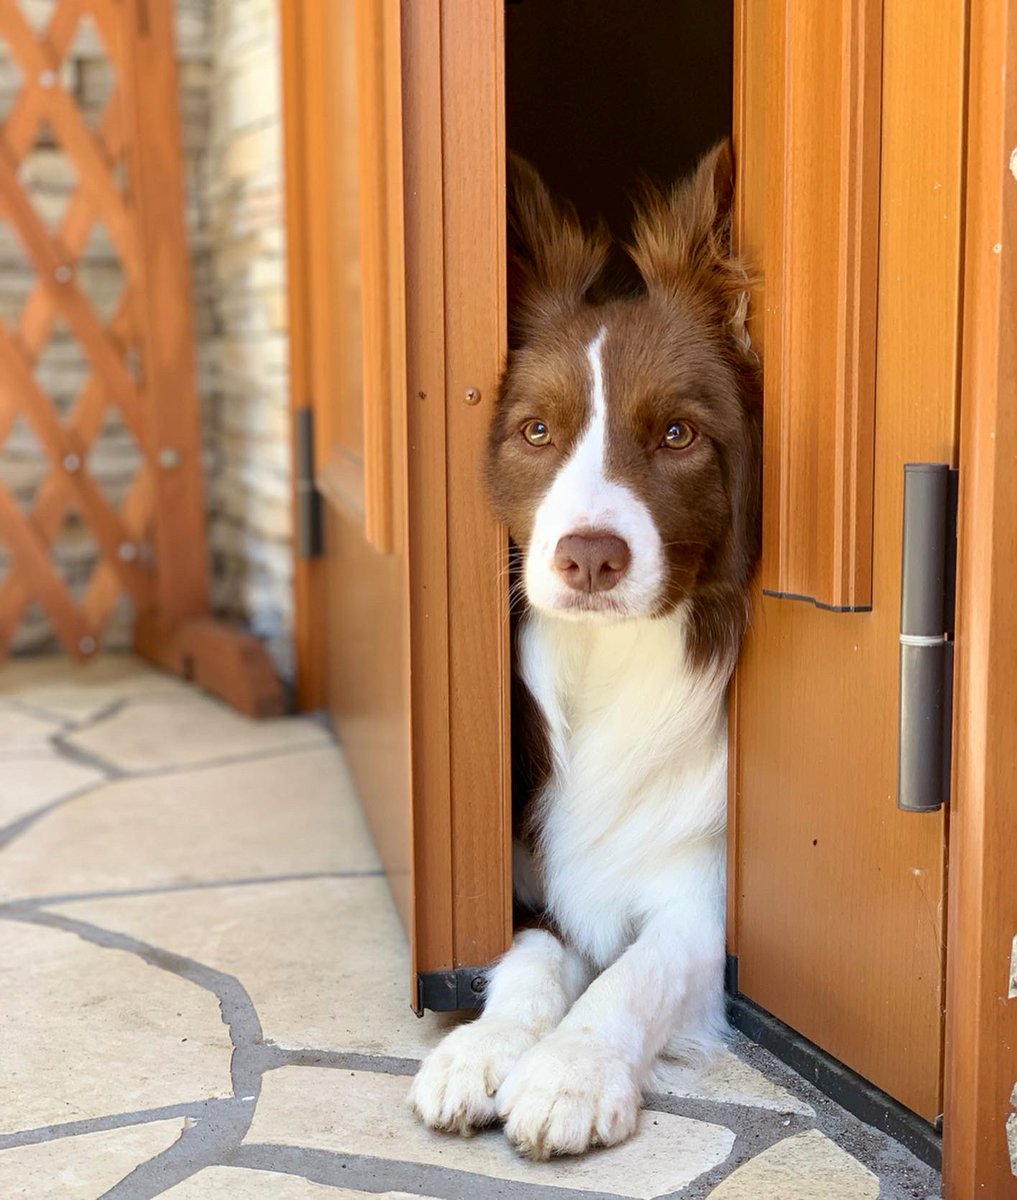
<point>456,343</point>
<point>981,996</point>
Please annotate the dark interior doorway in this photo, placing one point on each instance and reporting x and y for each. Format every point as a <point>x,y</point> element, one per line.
<point>601,94</point>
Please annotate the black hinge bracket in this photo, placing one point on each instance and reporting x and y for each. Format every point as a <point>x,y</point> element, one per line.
<point>309,518</point>
<point>450,991</point>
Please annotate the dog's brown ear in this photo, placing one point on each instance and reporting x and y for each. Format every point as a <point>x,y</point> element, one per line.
<point>553,260</point>
<point>681,240</point>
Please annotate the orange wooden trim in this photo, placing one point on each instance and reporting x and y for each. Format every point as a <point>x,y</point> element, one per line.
<point>230,663</point>
<point>473,154</point>
<point>164,309</point>
<point>75,226</point>
<point>820,380</point>
<point>431,891</point>
<point>65,447</point>
<point>21,125</point>
<point>981,1005</point>
<point>37,57</point>
<point>51,504</point>
<point>65,295</point>
<point>31,557</point>
<point>378,92</point>
<point>341,481</point>
<point>308,575</point>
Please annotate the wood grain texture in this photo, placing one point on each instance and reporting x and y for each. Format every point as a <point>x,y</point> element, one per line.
<point>230,663</point>
<point>476,323</point>
<point>750,134</point>
<point>163,503</point>
<point>823,76</point>
<point>361,623</point>
<point>164,314</point>
<point>428,548</point>
<point>838,895</point>
<point>380,150</point>
<point>308,573</point>
<point>981,1030</point>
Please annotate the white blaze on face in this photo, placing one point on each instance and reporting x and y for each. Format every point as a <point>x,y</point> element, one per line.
<point>582,499</point>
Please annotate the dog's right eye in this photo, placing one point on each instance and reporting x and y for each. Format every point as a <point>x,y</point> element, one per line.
<point>536,433</point>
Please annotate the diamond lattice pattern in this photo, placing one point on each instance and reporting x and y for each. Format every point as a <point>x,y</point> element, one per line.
<point>75,507</point>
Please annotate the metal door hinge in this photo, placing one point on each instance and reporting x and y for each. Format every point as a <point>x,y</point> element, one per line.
<point>928,588</point>
<point>309,521</point>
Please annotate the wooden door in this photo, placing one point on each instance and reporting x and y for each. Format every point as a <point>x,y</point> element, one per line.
<point>850,181</point>
<point>395,164</point>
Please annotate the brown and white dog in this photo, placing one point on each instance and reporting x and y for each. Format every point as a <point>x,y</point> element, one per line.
<point>625,459</point>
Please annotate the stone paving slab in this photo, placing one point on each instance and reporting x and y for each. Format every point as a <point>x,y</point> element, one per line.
<point>807,1166</point>
<point>365,1113</point>
<point>230,1183</point>
<point>24,734</point>
<point>340,938</point>
<point>89,1031</point>
<point>289,813</point>
<point>186,731</point>
<point>29,784</point>
<point>82,1167</point>
<point>728,1080</point>
<point>203,987</point>
<point>70,692</point>
<point>343,940</point>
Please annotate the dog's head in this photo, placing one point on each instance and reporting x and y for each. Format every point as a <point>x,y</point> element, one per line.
<point>625,452</point>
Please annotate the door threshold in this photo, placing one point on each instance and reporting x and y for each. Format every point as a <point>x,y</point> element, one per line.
<point>848,1089</point>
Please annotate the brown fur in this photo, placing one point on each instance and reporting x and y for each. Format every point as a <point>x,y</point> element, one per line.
<point>675,352</point>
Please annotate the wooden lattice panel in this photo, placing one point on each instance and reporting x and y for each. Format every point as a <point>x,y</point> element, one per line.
<point>149,541</point>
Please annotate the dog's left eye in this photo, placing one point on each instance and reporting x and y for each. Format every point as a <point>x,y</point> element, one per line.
<point>679,436</point>
<point>536,433</point>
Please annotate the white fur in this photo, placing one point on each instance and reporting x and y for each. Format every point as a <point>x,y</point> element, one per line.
<point>632,860</point>
<point>582,497</point>
<point>528,993</point>
<point>631,856</point>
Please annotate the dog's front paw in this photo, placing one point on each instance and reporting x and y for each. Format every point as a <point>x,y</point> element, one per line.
<point>454,1089</point>
<point>567,1094</point>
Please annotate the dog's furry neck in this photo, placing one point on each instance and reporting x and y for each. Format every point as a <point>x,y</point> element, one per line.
<point>636,751</point>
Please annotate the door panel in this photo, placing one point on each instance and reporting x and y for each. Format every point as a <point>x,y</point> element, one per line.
<point>453,67</point>
<point>823,202</point>
<point>836,896</point>
<point>351,338</point>
<point>395,156</point>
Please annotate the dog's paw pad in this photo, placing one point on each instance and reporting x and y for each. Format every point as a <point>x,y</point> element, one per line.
<point>566,1095</point>
<point>455,1088</point>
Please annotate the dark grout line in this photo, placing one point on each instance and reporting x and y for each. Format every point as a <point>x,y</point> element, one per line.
<point>122,1120</point>
<point>229,760</point>
<point>35,710</point>
<point>207,1141</point>
<point>23,823</point>
<point>31,903</point>
<point>365,1173</point>
<point>339,1060</point>
<point>113,774</point>
<point>85,757</point>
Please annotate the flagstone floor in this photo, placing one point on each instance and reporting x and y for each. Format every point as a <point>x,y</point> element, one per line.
<point>203,987</point>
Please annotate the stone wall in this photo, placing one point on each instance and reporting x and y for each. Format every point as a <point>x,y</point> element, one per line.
<point>245,356</point>
<point>230,99</point>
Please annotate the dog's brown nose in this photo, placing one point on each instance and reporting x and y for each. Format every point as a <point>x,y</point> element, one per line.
<point>592,562</point>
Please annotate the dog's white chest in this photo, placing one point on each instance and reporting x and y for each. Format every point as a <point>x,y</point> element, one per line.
<point>633,814</point>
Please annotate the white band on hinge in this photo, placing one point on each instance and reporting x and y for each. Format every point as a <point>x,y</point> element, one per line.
<point>922,639</point>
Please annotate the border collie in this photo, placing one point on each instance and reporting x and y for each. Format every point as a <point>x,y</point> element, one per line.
<point>625,459</point>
